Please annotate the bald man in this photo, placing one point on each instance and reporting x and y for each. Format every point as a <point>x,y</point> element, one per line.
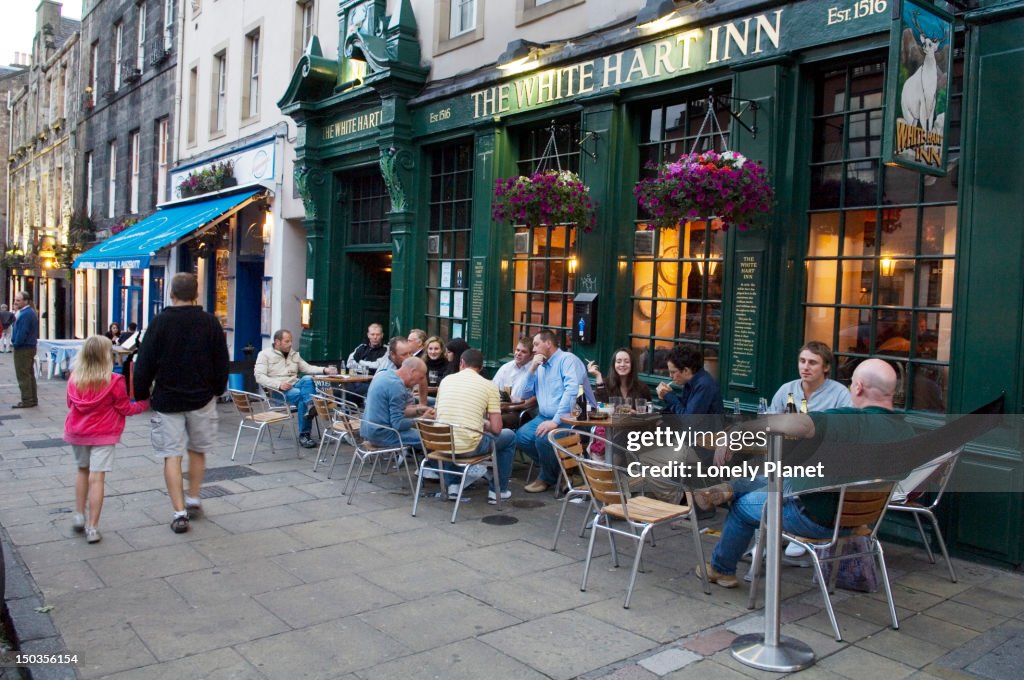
<point>387,403</point>
<point>871,391</point>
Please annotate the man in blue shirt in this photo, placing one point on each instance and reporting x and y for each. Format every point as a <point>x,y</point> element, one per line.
<point>24,339</point>
<point>554,378</point>
<point>701,394</point>
<point>387,403</point>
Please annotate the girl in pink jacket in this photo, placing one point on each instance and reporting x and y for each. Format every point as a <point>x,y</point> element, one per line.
<point>97,406</point>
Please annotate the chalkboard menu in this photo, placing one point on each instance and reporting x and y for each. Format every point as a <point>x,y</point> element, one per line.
<point>744,325</point>
<point>476,301</point>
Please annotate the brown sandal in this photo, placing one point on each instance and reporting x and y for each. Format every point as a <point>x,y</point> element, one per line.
<point>713,496</point>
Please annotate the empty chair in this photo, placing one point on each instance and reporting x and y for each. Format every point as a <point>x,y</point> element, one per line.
<point>335,430</point>
<point>438,440</point>
<point>861,509</point>
<point>567,448</point>
<point>931,477</point>
<point>257,414</point>
<point>613,495</point>
<point>365,451</point>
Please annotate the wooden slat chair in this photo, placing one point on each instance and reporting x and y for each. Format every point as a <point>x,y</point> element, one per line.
<point>258,415</point>
<point>861,509</point>
<point>328,410</point>
<point>930,478</point>
<point>611,491</point>
<point>567,450</point>
<point>438,440</point>
<point>364,451</point>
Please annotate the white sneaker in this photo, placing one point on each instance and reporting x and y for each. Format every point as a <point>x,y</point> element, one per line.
<point>430,473</point>
<point>794,550</point>
<point>78,522</point>
<point>492,497</point>
<point>92,535</point>
<point>453,491</point>
<point>475,472</point>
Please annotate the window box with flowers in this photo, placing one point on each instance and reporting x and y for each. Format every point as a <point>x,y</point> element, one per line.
<point>213,178</point>
<point>725,185</point>
<point>122,224</point>
<point>544,198</point>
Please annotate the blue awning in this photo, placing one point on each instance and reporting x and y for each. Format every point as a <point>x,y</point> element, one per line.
<point>133,247</point>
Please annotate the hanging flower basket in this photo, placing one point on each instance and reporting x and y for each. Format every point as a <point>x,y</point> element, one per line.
<point>728,186</point>
<point>544,198</point>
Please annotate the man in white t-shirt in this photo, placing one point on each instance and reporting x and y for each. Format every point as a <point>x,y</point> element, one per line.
<point>508,379</point>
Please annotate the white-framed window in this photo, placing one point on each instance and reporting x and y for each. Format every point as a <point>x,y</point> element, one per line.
<point>94,61</point>
<point>193,110</point>
<point>163,131</point>
<point>252,87</point>
<point>118,36</point>
<point>140,40</point>
<point>463,17</point>
<point>220,80</point>
<point>307,22</point>
<point>88,184</point>
<point>58,195</point>
<point>112,179</point>
<point>81,303</point>
<point>168,24</point>
<point>133,185</point>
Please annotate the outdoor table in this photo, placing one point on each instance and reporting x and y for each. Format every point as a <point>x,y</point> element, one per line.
<point>58,353</point>
<point>770,651</point>
<point>345,379</point>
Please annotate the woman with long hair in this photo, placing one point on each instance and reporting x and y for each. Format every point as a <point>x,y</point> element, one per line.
<point>435,360</point>
<point>623,380</point>
<point>453,351</point>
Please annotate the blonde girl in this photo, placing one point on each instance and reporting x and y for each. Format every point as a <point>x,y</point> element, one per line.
<point>97,405</point>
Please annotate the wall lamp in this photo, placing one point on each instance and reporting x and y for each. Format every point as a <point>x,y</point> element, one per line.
<point>306,313</point>
<point>658,12</point>
<point>520,54</point>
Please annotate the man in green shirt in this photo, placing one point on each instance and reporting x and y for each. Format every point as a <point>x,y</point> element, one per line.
<point>871,419</point>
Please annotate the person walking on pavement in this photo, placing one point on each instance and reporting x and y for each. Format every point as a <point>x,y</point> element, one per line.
<point>186,355</point>
<point>97,406</point>
<point>24,339</point>
<point>6,322</point>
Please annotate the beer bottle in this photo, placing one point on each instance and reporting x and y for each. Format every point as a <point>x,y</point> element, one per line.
<point>803,406</point>
<point>790,404</point>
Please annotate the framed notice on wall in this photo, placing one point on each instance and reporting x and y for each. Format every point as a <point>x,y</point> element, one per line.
<point>917,90</point>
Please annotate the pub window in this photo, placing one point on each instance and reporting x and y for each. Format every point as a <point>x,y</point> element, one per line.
<point>678,271</point>
<point>544,256</point>
<point>451,204</point>
<point>881,241</point>
<point>370,206</point>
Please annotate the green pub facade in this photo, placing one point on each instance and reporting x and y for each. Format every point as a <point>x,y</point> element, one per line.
<point>922,268</point>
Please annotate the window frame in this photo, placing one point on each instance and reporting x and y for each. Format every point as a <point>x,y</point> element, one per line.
<point>134,164</point>
<point>118,38</point>
<point>528,11</point>
<point>140,39</point>
<point>218,92</point>
<point>168,32</point>
<point>112,178</point>
<point>443,40</point>
<point>251,77</point>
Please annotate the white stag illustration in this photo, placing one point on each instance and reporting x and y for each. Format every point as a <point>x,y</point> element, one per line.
<point>919,91</point>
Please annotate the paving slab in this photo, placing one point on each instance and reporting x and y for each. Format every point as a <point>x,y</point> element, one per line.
<point>226,583</point>
<point>467,659</point>
<point>560,647</point>
<point>220,664</point>
<point>312,603</point>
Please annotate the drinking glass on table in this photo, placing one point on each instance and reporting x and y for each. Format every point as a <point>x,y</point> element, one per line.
<point>640,405</point>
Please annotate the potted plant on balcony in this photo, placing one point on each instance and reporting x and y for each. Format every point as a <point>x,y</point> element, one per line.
<point>725,185</point>
<point>552,197</point>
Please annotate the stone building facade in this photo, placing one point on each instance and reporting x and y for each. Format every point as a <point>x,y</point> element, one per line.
<point>40,175</point>
<point>12,79</point>
<point>124,142</point>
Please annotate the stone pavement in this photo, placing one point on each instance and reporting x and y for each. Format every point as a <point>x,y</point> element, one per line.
<point>283,579</point>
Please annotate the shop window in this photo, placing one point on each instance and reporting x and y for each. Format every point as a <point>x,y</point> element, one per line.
<point>544,255</point>
<point>881,241</point>
<point>460,22</point>
<point>677,272</point>
<point>370,207</point>
<point>451,203</point>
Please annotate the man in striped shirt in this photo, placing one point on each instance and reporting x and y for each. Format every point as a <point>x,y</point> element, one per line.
<point>471,401</point>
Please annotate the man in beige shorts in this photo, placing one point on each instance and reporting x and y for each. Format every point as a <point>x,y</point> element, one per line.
<point>184,357</point>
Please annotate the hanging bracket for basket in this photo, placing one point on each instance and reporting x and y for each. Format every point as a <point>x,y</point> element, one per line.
<point>745,105</point>
<point>584,139</point>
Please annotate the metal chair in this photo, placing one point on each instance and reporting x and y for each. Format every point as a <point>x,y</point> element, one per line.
<point>438,440</point>
<point>931,477</point>
<point>567,449</point>
<point>327,409</point>
<point>279,402</point>
<point>861,509</point>
<point>612,494</point>
<point>364,451</point>
<point>257,414</point>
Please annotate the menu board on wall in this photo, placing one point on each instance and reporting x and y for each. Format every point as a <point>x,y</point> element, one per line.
<point>743,360</point>
<point>476,301</point>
